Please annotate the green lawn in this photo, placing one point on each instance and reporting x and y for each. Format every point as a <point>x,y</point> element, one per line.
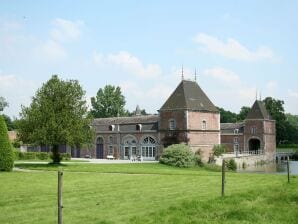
<point>145,193</point>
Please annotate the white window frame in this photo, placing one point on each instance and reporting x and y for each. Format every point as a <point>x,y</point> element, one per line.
<point>172,124</point>
<point>253,130</point>
<point>110,150</point>
<point>204,125</point>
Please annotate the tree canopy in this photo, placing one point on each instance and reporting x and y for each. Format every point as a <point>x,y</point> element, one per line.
<point>3,103</point>
<point>108,102</point>
<point>227,116</point>
<point>276,109</point>
<point>57,115</point>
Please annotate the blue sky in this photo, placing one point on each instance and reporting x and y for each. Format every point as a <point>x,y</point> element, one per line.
<point>236,47</point>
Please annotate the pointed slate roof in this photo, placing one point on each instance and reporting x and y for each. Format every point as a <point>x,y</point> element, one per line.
<point>189,96</point>
<point>258,111</point>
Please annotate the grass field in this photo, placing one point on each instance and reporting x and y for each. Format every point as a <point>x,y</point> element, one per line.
<point>145,193</point>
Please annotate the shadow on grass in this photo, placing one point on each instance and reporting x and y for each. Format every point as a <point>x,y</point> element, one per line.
<point>39,165</point>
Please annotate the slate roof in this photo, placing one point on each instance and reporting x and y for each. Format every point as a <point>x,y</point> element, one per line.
<point>258,111</point>
<point>225,126</point>
<point>228,128</point>
<point>126,120</point>
<point>189,96</point>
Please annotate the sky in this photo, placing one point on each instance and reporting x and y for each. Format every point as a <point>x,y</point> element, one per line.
<point>239,49</point>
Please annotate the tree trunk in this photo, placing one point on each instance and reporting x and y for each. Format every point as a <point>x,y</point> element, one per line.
<point>55,154</point>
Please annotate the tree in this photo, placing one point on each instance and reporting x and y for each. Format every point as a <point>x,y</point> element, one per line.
<point>6,153</point>
<point>109,102</point>
<point>276,110</point>
<point>243,113</point>
<point>227,116</point>
<point>9,122</point>
<point>3,103</point>
<point>57,115</point>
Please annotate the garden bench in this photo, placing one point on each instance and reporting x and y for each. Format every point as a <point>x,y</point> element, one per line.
<point>110,157</point>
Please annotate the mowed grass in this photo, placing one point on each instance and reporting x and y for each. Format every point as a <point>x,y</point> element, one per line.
<point>145,193</point>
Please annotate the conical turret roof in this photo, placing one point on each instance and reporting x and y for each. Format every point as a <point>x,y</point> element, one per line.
<point>258,111</point>
<point>189,96</point>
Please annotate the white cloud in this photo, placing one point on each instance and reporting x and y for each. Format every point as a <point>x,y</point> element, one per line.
<point>129,63</point>
<point>66,30</point>
<point>53,50</point>
<point>17,92</point>
<point>223,75</point>
<point>293,93</point>
<point>233,49</point>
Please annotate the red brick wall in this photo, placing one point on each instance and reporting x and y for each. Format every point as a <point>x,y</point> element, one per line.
<point>195,120</point>
<point>228,140</point>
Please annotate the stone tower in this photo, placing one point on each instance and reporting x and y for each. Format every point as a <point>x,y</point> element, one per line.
<point>189,116</point>
<point>259,131</point>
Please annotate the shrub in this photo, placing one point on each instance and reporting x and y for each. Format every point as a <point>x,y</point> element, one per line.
<point>232,165</point>
<point>37,155</point>
<point>6,153</point>
<point>43,155</point>
<point>178,155</point>
<point>218,150</point>
<point>65,156</point>
<point>198,160</point>
<point>16,144</point>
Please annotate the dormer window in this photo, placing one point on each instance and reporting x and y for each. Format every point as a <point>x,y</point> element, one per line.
<point>172,124</point>
<point>138,127</point>
<point>204,125</point>
<point>111,127</point>
<point>236,131</point>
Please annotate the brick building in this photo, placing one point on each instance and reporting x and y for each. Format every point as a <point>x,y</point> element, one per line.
<point>187,116</point>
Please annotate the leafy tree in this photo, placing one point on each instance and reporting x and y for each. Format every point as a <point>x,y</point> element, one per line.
<point>292,119</point>
<point>57,115</point>
<point>9,122</point>
<point>3,103</point>
<point>6,153</point>
<point>109,102</point>
<point>227,116</point>
<point>276,109</point>
<point>218,150</point>
<point>243,113</point>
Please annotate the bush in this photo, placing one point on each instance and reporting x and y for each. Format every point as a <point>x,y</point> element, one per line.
<point>178,155</point>
<point>65,156</point>
<point>232,165</point>
<point>218,150</point>
<point>38,155</point>
<point>6,152</point>
<point>198,160</point>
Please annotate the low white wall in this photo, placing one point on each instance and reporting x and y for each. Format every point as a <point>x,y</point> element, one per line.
<point>249,160</point>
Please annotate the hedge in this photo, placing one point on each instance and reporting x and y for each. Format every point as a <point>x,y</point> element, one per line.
<point>6,153</point>
<point>38,155</point>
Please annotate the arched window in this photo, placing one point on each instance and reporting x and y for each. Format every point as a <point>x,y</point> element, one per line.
<point>236,131</point>
<point>149,148</point>
<point>99,140</point>
<point>129,150</point>
<point>204,125</point>
<point>172,124</point>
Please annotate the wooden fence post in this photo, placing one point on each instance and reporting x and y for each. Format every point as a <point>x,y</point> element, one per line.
<point>223,178</point>
<point>288,168</point>
<point>60,206</point>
